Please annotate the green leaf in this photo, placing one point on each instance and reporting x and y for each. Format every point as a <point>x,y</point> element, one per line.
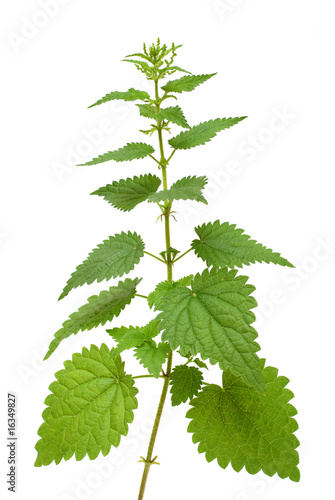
<point>113,257</point>
<point>97,311</point>
<point>177,68</point>
<point>129,95</point>
<point>185,383</point>
<point>222,245</point>
<point>128,338</point>
<point>131,151</point>
<point>199,363</point>
<point>236,424</point>
<point>89,408</point>
<point>148,111</point>
<point>202,133</point>
<point>152,356</point>
<point>141,64</point>
<point>186,83</point>
<point>214,319</point>
<point>127,193</point>
<point>172,114</point>
<point>187,188</point>
<point>164,288</point>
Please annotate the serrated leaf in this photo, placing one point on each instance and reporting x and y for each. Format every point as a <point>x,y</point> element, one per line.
<point>89,408</point>
<point>187,188</point>
<point>213,319</point>
<point>199,363</point>
<point>185,383</point>
<point>186,83</point>
<point>112,258</point>
<point>127,193</point>
<point>148,111</point>
<point>97,311</point>
<point>152,356</point>
<point>222,245</point>
<point>128,338</point>
<point>235,424</point>
<point>164,288</point>
<point>173,114</point>
<point>202,133</point>
<point>131,151</point>
<point>129,95</point>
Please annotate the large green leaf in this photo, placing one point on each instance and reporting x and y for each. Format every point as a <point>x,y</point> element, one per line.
<point>213,319</point>
<point>186,83</point>
<point>127,193</point>
<point>173,114</point>
<point>97,311</point>
<point>129,95</point>
<point>89,408</point>
<point>238,425</point>
<point>130,337</point>
<point>187,188</point>
<point>202,133</point>
<point>185,383</point>
<point>131,151</point>
<point>152,356</point>
<point>164,288</point>
<point>222,245</point>
<point>113,257</point>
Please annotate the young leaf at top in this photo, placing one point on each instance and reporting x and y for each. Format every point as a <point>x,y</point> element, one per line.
<point>89,408</point>
<point>187,188</point>
<point>152,356</point>
<point>97,311</point>
<point>128,338</point>
<point>129,95</point>
<point>186,83</point>
<point>222,245</point>
<point>173,114</point>
<point>127,193</point>
<point>185,383</point>
<point>177,68</point>
<point>131,151</point>
<point>202,133</point>
<point>164,288</point>
<point>113,257</point>
<point>238,425</point>
<point>214,319</point>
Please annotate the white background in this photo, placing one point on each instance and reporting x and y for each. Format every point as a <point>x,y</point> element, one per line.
<point>270,175</point>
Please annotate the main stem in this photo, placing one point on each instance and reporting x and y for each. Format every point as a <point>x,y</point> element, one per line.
<point>149,460</point>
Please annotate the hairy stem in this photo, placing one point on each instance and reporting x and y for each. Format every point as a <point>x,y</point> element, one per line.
<point>166,213</point>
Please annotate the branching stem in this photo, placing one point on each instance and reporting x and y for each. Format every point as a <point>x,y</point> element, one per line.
<point>182,255</point>
<point>149,460</point>
<point>154,256</point>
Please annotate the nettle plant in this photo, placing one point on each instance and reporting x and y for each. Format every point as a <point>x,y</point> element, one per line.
<point>246,419</point>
